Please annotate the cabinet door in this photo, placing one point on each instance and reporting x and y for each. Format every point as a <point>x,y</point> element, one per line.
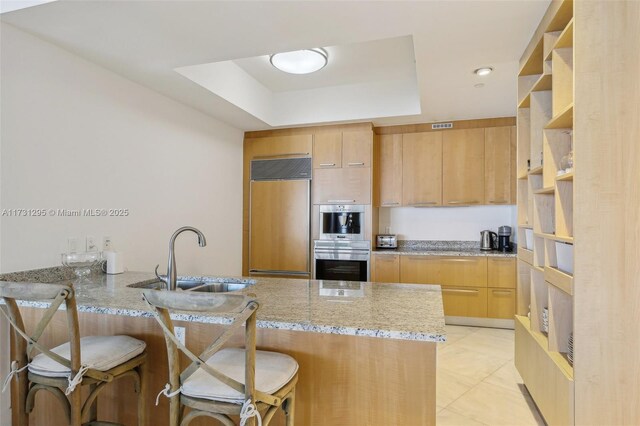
<point>390,170</point>
<point>276,146</point>
<point>422,169</point>
<point>327,150</point>
<point>464,301</point>
<point>501,272</point>
<point>357,148</point>
<point>342,186</point>
<point>501,303</point>
<point>463,271</point>
<point>386,268</point>
<point>497,165</point>
<point>419,270</point>
<point>463,167</point>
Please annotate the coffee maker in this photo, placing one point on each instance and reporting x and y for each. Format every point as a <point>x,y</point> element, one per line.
<point>504,237</point>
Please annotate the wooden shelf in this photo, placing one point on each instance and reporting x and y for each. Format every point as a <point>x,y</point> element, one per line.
<point>565,177</point>
<point>536,171</point>
<point>559,279</point>
<point>564,120</point>
<point>565,39</point>
<point>526,101</point>
<point>533,65</point>
<point>543,83</point>
<point>558,359</point>
<point>525,225</point>
<point>554,237</point>
<point>525,255</point>
<point>549,190</point>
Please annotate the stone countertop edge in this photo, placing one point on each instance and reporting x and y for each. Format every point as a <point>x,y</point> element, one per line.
<point>112,295</point>
<point>461,253</point>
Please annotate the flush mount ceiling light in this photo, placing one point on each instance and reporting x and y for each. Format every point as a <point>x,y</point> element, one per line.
<point>300,61</point>
<point>483,71</point>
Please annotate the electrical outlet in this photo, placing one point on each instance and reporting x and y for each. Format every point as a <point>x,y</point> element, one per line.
<point>106,243</point>
<point>72,245</point>
<point>181,334</point>
<point>91,243</point>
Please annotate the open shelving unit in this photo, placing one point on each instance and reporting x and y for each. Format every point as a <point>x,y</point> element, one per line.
<point>545,216</point>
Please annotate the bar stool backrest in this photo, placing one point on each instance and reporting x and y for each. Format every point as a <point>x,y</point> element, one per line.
<point>242,310</point>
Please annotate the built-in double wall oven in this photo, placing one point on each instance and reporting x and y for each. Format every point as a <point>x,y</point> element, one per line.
<point>342,253</point>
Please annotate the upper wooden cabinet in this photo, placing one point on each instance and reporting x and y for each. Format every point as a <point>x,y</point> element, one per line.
<point>390,170</point>
<point>278,146</point>
<point>341,186</point>
<point>422,169</point>
<point>497,165</point>
<point>463,167</point>
<point>342,149</point>
<point>327,150</point>
<point>357,148</point>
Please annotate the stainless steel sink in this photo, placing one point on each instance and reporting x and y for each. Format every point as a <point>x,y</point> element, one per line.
<point>213,286</point>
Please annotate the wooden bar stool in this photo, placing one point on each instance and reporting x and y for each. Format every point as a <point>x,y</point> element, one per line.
<point>94,360</point>
<point>223,382</point>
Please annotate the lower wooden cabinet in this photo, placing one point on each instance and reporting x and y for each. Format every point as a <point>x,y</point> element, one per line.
<point>472,286</point>
<point>501,303</point>
<point>385,268</point>
<point>464,301</point>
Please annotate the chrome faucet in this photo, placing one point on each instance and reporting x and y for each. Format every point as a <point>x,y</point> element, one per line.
<point>172,274</point>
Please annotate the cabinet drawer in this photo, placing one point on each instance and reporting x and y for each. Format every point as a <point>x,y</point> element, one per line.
<point>463,271</point>
<point>386,268</point>
<point>501,272</point>
<point>446,271</point>
<point>342,186</point>
<point>501,303</point>
<point>464,301</point>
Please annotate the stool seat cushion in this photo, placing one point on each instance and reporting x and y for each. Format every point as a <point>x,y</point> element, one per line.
<point>273,371</point>
<point>101,353</point>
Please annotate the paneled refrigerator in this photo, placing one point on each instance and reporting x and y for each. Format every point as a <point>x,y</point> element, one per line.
<point>279,217</point>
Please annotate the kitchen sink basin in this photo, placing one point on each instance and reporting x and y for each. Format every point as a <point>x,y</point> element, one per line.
<point>216,285</point>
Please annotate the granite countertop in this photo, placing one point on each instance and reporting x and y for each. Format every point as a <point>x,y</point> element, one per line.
<point>444,248</point>
<point>394,311</point>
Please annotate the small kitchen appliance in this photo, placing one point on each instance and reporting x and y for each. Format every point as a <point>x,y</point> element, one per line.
<point>386,241</point>
<point>342,222</point>
<point>488,240</point>
<point>504,237</point>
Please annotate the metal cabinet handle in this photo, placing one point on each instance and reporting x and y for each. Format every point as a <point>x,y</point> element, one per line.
<point>502,259</point>
<point>501,291</point>
<point>463,202</point>
<point>293,154</point>
<point>341,201</point>
<point>424,203</point>
<point>458,260</point>
<point>355,164</point>
<point>272,272</point>
<point>498,201</point>
<point>454,290</point>
<point>327,164</point>
<point>387,203</point>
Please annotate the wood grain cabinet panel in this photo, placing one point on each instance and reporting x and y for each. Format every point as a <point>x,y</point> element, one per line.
<point>514,164</point>
<point>422,169</point>
<point>385,268</point>
<point>342,186</point>
<point>463,271</point>
<point>357,148</point>
<point>464,301</point>
<point>501,272</point>
<point>390,170</point>
<point>277,146</point>
<point>463,167</point>
<point>497,165</point>
<point>420,269</point>
<point>327,150</point>
<point>501,303</point>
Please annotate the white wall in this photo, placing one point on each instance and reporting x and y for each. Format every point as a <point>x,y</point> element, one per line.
<point>446,223</point>
<point>75,135</point>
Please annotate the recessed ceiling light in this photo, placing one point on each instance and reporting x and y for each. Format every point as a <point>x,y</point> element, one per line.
<point>483,71</point>
<point>300,61</point>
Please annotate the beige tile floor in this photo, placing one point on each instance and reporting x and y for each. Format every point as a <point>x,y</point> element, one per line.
<point>477,382</point>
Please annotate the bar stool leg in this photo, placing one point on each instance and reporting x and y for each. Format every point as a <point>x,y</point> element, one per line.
<point>75,400</point>
<point>142,394</point>
<point>93,411</point>
<point>291,408</point>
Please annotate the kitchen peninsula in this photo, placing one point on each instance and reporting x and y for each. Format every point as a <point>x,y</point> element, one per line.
<point>367,351</point>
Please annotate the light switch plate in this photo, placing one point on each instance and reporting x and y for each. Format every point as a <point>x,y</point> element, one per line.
<point>91,243</point>
<point>72,245</point>
<point>106,243</point>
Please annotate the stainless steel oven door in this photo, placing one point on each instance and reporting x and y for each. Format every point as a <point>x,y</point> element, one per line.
<point>342,265</point>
